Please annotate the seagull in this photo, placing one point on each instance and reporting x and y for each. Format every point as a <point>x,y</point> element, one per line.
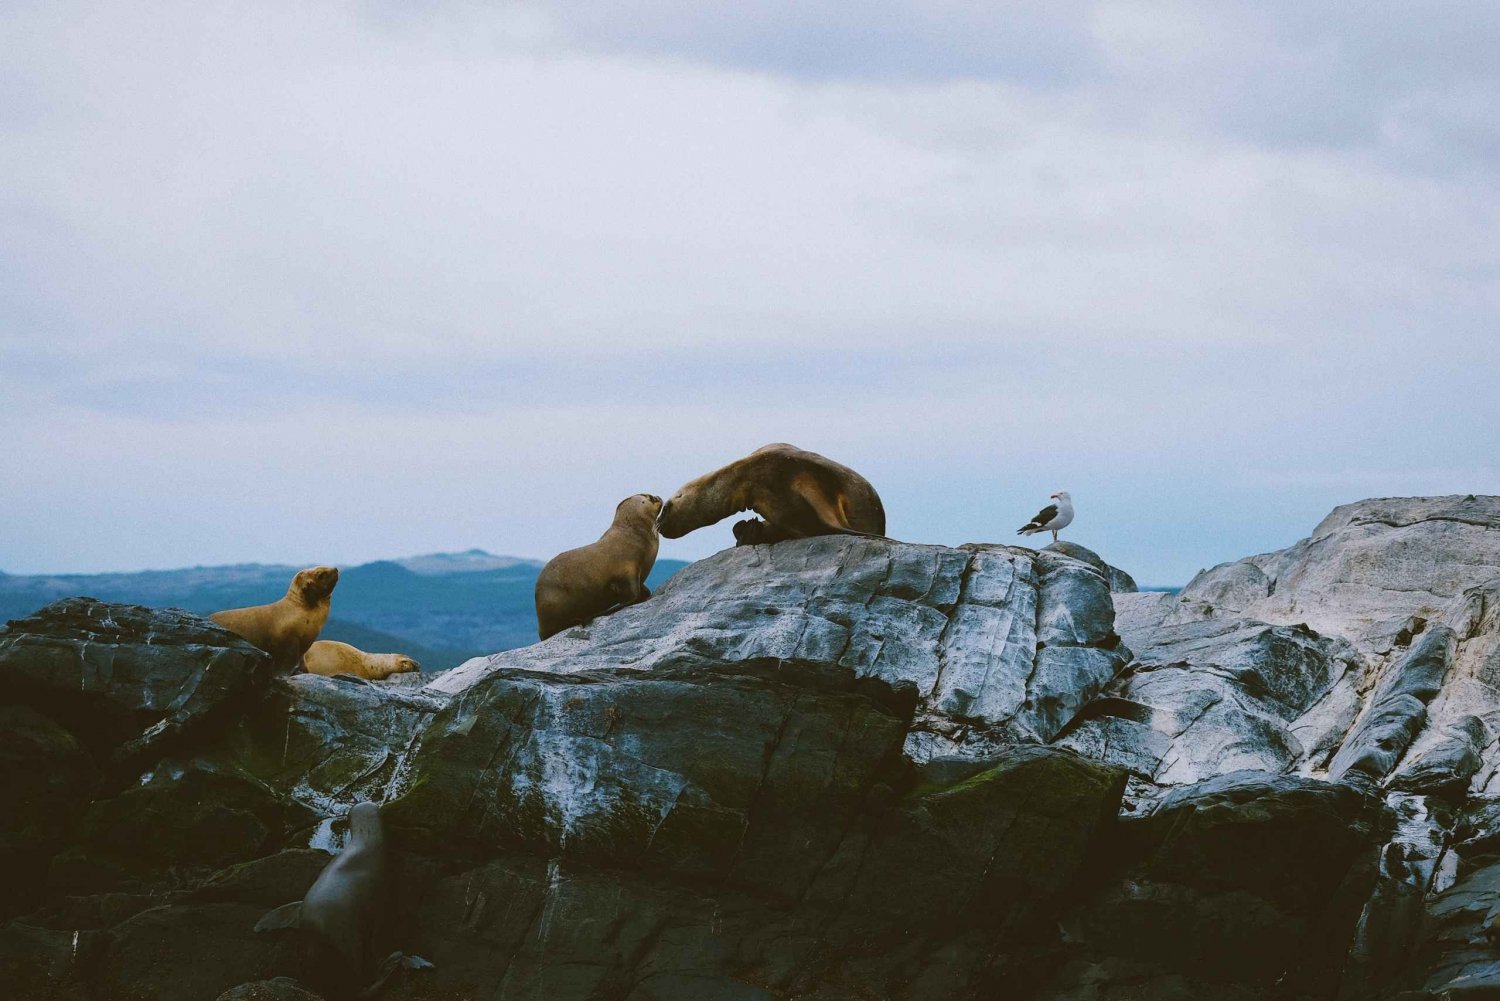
<point>1052,518</point>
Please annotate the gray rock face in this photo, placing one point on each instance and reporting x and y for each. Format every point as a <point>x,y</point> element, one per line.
<point>1395,606</point>
<point>1367,570</point>
<point>1120,582</point>
<point>1001,643</point>
<point>1213,697</point>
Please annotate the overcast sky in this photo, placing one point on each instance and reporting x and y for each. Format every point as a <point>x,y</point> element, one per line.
<point>335,282</point>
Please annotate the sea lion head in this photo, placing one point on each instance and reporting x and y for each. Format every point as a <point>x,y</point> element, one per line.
<point>405,665</point>
<point>679,515</point>
<point>315,583</point>
<point>364,824</point>
<point>639,509</point>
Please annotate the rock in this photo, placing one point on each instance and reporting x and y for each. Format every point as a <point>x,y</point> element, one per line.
<point>44,964</point>
<point>1397,709</point>
<point>1367,569</point>
<point>1245,879</point>
<point>278,989</point>
<point>1443,760</point>
<point>1138,615</point>
<point>827,769</point>
<point>127,680</point>
<point>1120,582</point>
<point>870,901</point>
<point>1003,643</point>
<point>1213,697</point>
<point>184,815</point>
<point>46,780</point>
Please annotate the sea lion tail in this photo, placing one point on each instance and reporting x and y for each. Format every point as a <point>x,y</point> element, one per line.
<point>285,916</point>
<point>864,535</point>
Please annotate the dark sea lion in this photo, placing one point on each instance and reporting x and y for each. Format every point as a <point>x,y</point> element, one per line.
<point>346,912</point>
<point>286,628</point>
<point>330,657</point>
<point>798,493</point>
<point>582,583</point>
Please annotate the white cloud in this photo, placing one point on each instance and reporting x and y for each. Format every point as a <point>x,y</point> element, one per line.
<point>509,263</point>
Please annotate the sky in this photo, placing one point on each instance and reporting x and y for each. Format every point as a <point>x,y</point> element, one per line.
<point>337,282</point>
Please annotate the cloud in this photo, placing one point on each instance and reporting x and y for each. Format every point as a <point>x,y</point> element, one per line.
<point>492,268</point>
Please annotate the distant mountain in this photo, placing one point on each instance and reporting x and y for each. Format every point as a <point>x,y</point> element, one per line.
<point>440,608</point>
<point>468,561</point>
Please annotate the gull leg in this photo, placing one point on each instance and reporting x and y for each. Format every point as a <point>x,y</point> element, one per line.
<point>1054,535</point>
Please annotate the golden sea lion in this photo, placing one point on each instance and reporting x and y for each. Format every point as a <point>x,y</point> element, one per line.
<point>798,493</point>
<point>286,628</point>
<point>346,912</point>
<point>330,657</point>
<point>581,583</point>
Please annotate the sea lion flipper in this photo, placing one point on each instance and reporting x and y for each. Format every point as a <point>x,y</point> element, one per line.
<point>389,965</point>
<point>285,916</point>
<point>827,510</point>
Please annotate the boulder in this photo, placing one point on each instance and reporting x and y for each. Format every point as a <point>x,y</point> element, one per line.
<point>1213,697</point>
<point>128,680</point>
<point>1002,643</point>
<point>1247,880</point>
<point>1120,582</point>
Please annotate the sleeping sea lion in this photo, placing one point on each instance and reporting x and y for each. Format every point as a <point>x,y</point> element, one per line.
<point>346,912</point>
<point>330,657</point>
<point>581,583</point>
<point>798,493</point>
<point>286,628</point>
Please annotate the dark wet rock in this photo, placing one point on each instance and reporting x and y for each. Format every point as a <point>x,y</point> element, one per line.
<point>184,815</point>
<point>128,680</point>
<point>1457,954</point>
<point>1245,879</point>
<point>44,964</point>
<point>46,780</point>
<point>921,889</point>
<point>276,989</point>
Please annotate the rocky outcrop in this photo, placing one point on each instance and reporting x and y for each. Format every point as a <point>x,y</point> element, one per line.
<point>1001,643</point>
<point>127,680</point>
<point>835,768</point>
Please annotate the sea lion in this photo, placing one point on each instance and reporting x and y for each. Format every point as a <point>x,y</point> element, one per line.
<point>331,657</point>
<point>581,583</point>
<point>347,910</point>
<point>798,493</point>
<point>286,628</point>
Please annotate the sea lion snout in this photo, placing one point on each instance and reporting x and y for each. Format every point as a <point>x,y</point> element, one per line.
<point>668,524</point>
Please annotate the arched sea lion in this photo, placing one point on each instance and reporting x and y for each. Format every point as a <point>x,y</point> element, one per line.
<point>798,493</point>
<point>581,583</point>
<point>347,911</point>
<point>330,657</point>
<point>286,628</point>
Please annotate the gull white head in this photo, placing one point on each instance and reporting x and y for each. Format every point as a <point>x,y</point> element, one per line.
<point>1064,496</point>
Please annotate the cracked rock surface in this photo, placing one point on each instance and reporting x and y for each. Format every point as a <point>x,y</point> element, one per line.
<point>835,768</point>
